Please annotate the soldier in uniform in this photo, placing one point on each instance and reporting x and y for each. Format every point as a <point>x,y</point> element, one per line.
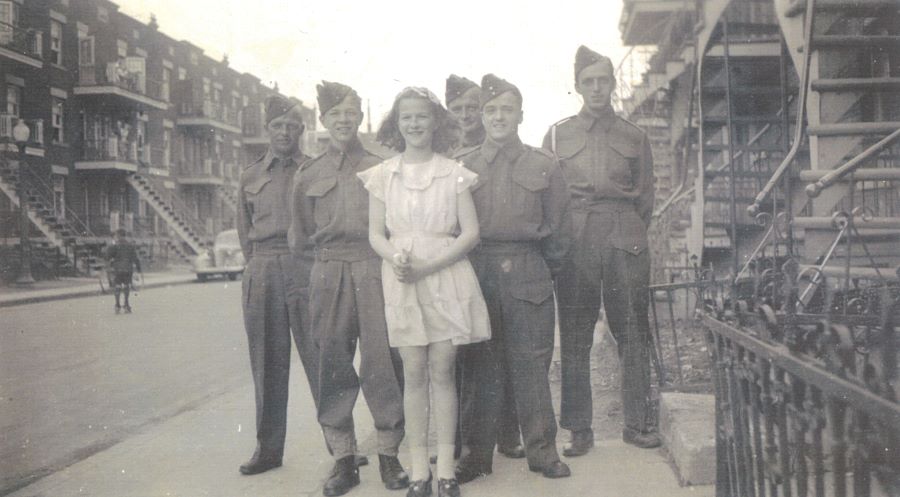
<point>462,97</point>
<point>330,213</point>
<point>275,299</point>
<point>122,261</point>
<point>521,201</point>
<point>609,170</point>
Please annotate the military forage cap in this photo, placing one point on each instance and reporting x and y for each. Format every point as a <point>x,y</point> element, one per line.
<point>585,57</point>
<point>330,94</point>
<point>492,87</point>
<point>456,86</point>
<point>277,106</point>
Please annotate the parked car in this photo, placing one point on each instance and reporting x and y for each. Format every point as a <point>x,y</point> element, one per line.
<point>224,258</point>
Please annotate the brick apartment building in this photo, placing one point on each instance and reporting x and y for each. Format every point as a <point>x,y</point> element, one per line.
<point>130,129</point>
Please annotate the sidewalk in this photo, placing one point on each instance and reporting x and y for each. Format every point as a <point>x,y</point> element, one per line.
<point>197,453</point>
<point>64,288</point>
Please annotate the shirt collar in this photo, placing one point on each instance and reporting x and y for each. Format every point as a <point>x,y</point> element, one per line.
<point>588,120</point>
<point>491,149</point>
<point>269,159</point>
<point>355,147</point>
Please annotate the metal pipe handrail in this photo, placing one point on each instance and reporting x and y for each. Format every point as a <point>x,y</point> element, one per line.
<point>753,209</point>
<point>46,193</point>
<point>814,189</point>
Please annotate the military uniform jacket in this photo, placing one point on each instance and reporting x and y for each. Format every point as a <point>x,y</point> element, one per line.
<point>264,199</point>
<point>520,196</point>
<point>330,204</point>
<point>608,166</point>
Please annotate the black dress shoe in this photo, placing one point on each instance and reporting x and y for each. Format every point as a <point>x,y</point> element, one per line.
<point>556,469</point>
<point>362,461</point>
<point>514,452</point>
<point>468,470</point>
<point>643,440</point>
<point>344,476</point>
<point>448,488</point>
<point>392,473</point>
<point>420,488</point>
<point>257,465</point>
<point>580,444</point>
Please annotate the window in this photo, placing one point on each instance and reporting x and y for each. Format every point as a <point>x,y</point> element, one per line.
<point>56,41</point>
<point>122,47</point>
<point>194,57</point>
<point>136,34</point>
<point>166,82</point>
<point>102,14</point>
<point>13,100</point>
<point>9,19</point>
<point>58,112</point>
<point>167,147</point>
<point>86,52</point>
<point>59,196</point>
<point>182,74</point>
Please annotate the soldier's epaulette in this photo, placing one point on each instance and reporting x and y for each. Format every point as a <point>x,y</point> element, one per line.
<point>541,151</point>
<point>630,125</point>
<point>257,161</point>
<point>311,160</point>
<point>563,121</point>
<point>465,151</point>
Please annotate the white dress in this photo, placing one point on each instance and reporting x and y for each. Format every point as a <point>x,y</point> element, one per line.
<point>421,218</point>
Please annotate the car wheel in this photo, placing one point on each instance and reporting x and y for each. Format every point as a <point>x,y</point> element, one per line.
<point>232,276</point>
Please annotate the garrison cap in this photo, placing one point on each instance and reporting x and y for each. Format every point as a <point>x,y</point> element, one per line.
<point>493,86</point>
<point>329,94</point>
<point>456,86</point>
<point>585,57</point>
<point>277,106</point>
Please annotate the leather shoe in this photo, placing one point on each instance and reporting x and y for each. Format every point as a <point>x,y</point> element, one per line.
<point>514,452</point>
<point>556,469</point>
<point>643,440</point>
<point>468,470</point>
<point>344,476</point>
<point>392,474</point>
<point>362,461</point>
<point>580,443</point>
<point>448,488</point>
<point>257,465</point>
<point>420,488</point>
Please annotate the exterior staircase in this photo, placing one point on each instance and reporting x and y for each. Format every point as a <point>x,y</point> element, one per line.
<point>173,211</point>
<point>68,245</point>
<point>848,220</point>
<point>229,197</point>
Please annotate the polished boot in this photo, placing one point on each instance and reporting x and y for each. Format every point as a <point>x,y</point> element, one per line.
<point>344,476</point>
<point>392,474</point>
<point>259,464</point>
<point>470,468</point>
<point>556,469</point>
<point>513,452</point>
<point>580,444</point>
<point>420,488</point>
<point>643,440</point>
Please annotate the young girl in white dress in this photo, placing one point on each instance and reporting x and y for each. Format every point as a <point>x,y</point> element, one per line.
<point>422,223</point>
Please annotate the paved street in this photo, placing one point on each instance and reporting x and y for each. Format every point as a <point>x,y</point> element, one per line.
<point>160,403</point>
<point>75,379</point>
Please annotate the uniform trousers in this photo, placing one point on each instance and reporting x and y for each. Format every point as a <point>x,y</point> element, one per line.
<point>347,307</point>
<point>598,272</point>
<point>276,305</point>
<point>519,294</point>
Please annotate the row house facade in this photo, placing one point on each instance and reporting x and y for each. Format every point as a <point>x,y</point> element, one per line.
<point>130,129</point>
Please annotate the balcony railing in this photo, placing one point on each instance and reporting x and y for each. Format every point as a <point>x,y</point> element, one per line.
<point>215,111</point>
<point>110,148</point>
<point>20,40</point>
<point>114,74</point>
<point>8,122</point>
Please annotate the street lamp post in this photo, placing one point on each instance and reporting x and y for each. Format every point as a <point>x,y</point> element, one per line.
<point>21,133</point>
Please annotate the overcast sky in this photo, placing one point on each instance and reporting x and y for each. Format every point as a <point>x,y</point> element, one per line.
<point>379,47</point>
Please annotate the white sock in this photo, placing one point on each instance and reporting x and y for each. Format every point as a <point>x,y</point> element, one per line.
<point>446,468</point>
<point>419,463</point>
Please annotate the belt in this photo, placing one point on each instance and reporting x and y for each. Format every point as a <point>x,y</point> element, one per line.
<point>493,247</point>
<point>277,245</point>
<point>603,205</point>
<point>346,252</point>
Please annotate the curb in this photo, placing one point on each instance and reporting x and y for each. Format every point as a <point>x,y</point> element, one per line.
<point>34,299</point>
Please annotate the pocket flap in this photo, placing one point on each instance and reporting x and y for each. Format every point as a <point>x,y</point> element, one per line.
<point>531,182</point>
<point>567,147</point>
<point>320,187</point>
<point>624,148</point>
<point>256,185</point>
<point>535,292</point>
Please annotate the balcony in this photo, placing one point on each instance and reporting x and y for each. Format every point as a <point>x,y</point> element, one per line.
<point>206,172</point>
<point>20,44</point>
<point>254,133</point>
<point>114,81</point>
<point>643,22</point>
<point>35,144</point>
<point>206,113</point>
<point>109,154</point>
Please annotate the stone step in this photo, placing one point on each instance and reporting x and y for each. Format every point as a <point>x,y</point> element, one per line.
<point>687,425</point>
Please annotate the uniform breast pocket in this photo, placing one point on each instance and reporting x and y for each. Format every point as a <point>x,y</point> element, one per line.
<point>526,195</point>
<point>622,164</point>
<point>321,191</point>
<point>256,201</point>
